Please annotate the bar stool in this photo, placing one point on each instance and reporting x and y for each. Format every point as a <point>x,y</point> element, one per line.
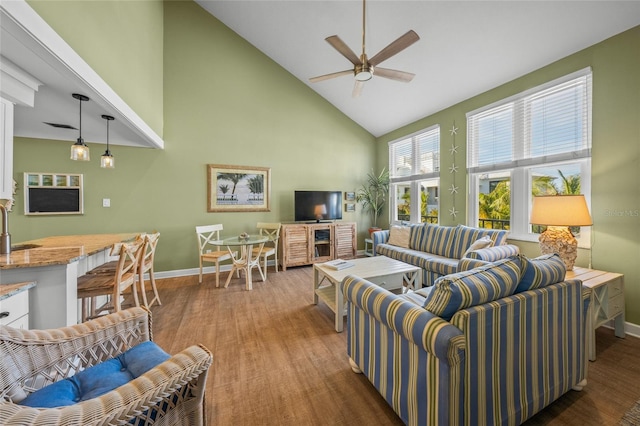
<point>113,285</point>
<point>146,265</point>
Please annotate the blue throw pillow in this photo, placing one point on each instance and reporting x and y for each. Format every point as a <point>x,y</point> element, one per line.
<point>540,272</point>
<point>99,379</point>
<point>474,287</point>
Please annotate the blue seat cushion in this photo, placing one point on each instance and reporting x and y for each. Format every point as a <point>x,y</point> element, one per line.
<point>99,379</point>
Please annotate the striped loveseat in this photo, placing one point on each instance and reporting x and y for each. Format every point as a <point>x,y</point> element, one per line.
<point>438,249</point>
<point>494,362</point>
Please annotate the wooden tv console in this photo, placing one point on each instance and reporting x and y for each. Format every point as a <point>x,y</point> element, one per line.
<point>308,243</point>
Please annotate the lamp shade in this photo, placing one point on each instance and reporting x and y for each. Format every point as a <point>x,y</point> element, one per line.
<point>560,210</point>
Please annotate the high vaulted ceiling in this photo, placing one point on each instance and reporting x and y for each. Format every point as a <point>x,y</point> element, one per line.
<point>465,47</point>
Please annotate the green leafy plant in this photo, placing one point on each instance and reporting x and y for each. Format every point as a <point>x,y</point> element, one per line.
<point>373,194</point>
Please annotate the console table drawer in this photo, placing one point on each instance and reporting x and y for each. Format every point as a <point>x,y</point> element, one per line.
<point>616,305</point>
<point>615,288</point>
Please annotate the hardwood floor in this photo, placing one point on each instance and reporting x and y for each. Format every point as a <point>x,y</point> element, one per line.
<point>278,361</point>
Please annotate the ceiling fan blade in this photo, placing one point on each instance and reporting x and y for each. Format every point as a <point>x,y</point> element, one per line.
<point>357,88</point>
<point>345,50</point>
<point>328,76</point>
<point>395,47</point>
<point>394,74</point>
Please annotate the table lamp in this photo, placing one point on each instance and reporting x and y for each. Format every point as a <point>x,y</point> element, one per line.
<point>558,213</point>
<point>319,211</point>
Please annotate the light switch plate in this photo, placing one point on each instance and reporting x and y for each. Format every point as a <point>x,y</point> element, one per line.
<point>106,202</point>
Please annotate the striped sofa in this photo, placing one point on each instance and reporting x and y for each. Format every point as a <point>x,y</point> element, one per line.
<point>492,363</point>
<point>438,249</point>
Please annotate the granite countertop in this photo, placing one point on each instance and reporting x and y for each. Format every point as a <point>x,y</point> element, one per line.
<point>8,290</point>
<point>58,250</point>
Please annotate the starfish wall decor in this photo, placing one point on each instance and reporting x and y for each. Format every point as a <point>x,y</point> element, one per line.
<point>453,189</point>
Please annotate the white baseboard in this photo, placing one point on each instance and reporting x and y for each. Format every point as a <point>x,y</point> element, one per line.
<point>629,328</point>
<point>195,271</point>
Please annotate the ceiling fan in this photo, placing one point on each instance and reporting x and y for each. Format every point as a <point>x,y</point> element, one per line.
<point>364,68</point>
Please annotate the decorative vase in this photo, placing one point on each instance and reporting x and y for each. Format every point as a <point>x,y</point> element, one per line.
<point>372,230</point>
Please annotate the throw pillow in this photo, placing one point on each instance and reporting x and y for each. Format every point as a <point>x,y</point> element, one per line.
<point>399,236</point>
<point>541,272</point>
<point>474,287</point>
<point>478,244</point>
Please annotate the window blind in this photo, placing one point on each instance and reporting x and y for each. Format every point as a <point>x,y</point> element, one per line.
<point>550,123</point>
<point>417,155</point>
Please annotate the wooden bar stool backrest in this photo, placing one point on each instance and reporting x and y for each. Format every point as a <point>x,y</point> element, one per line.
<point>146,265</point>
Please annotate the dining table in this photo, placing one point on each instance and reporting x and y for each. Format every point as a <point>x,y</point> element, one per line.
<point>243,259</point>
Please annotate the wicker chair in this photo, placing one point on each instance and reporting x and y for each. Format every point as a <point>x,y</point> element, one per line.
<point>172,393</point>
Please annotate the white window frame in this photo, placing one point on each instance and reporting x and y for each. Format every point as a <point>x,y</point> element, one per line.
<point>520,167</point>
<point>414,179</point>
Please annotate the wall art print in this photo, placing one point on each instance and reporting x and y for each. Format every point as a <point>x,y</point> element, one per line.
<point>238,188</point>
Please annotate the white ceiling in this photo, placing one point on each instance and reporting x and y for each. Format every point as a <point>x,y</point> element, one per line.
<point>465,47</point>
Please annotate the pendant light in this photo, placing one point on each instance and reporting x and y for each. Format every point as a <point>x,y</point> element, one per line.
<point>79,150</point>
<point>107,161</point>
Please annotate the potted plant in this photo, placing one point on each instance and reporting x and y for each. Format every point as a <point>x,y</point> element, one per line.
<point>373,195</point>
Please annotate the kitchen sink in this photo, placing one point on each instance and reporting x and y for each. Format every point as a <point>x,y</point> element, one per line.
<point>19,247</point>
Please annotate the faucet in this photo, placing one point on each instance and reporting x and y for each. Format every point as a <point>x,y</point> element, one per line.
<point>5,237</point>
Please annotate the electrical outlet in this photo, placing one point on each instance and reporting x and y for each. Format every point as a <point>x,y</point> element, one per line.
<point>106,202</point>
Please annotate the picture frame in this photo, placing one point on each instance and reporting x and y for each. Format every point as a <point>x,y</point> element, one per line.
<point>238,188</point>
<point>349,207</point>
<point>350,196</point>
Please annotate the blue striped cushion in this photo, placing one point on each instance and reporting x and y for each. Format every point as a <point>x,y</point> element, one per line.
<point>474,287</point>
<point>433,239</point>
<point>541,272</point>
<point>465,236</point>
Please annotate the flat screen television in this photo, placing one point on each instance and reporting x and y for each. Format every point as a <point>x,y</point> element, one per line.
<point>317,205</point>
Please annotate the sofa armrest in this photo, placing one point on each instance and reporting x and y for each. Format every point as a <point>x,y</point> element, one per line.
<point>420,327</point>
<point>491,254</point>
<point>159,388</point>
<point>466,263</point>
<point>379,237</point>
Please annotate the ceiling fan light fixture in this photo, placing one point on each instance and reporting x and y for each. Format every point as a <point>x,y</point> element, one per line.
<point>363,72</point>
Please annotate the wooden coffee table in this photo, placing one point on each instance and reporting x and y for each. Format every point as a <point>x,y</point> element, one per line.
<point>388,273</point>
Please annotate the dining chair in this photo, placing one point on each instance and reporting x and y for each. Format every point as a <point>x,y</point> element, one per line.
<point>112,286</point>
<point>145,265</point>
<point>270,248</point>
<point>206,234</point>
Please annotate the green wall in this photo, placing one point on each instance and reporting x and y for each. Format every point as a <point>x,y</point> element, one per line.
<point>121,41</point>
<point>224,103</point>
<point>615,194</point>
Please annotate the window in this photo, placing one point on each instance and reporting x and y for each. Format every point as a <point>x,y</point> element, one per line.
<point>414,174</point>
<point>535,143</point>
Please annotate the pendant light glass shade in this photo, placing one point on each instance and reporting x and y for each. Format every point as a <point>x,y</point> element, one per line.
<point>107,161</point>
<point>79,150</point>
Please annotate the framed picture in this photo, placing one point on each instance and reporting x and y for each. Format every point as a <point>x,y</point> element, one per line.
<point>238,188</point>
<point>350,196</point>
<point>349,207</point>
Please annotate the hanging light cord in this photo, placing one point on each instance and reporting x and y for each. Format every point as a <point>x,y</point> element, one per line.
<point>108,136</point>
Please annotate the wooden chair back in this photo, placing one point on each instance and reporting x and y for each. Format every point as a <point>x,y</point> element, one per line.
<point>149,252</point>
<point>270,230</point>
<point>206,234</point>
